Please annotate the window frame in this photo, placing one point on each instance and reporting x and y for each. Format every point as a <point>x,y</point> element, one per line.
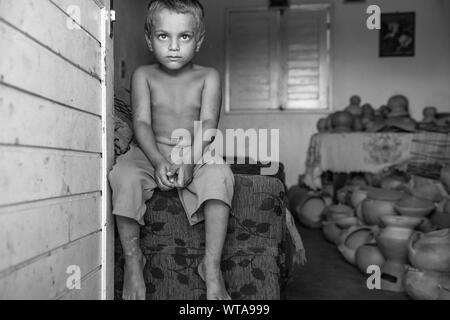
<point>306,7</point>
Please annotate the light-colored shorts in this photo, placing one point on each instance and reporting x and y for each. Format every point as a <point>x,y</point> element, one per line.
<point>132,182</point>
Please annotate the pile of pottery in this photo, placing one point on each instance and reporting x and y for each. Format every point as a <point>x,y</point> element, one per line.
<point>390,225</point>
<point>392,117</point>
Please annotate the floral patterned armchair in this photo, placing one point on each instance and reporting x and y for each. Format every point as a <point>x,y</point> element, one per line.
<point>257,250</point>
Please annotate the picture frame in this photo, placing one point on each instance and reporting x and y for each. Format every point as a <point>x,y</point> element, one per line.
<point>397,34</point>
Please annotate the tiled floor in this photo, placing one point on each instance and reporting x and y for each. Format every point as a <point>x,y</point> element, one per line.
<point>328,276</point>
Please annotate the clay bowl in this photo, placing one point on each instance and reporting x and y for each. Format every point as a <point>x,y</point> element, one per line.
<point>331,231</point>
<point>346,222</point>
<point>367,255</point>
<point>338,211</point>
<point>400,221</point>
<point>414,207</point>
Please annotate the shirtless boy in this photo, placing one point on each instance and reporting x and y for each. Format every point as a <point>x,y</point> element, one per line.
<point>166,96</point>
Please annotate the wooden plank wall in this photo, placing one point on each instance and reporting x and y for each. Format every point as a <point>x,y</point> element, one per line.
<point>50,149</point>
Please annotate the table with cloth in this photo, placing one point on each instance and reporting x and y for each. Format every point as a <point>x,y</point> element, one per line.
<point>356,152</point>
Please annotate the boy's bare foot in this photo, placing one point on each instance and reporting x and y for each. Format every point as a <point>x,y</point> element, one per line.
<point>133,283</point>
<point>215,285</point>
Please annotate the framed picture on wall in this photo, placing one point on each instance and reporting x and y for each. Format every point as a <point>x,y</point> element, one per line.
<point>397,34</point>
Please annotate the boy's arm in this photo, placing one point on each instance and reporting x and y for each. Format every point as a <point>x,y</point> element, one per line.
<point>209,113</point>
<point>142,123</point>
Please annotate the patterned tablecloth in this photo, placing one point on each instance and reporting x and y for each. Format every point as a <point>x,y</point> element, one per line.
<point>355,152</point>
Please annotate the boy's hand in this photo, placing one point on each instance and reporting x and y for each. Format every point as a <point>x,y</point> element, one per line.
<point>183,174</point>
<point>163,174</point>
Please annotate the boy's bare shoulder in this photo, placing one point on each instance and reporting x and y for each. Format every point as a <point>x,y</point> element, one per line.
<point>207,73</point>
<point>146,71</point>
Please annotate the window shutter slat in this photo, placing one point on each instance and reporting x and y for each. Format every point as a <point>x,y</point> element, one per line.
<point>249,60</point>
<point>304,40</point>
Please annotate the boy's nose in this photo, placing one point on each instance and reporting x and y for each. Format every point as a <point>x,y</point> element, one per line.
<point>174,45</point>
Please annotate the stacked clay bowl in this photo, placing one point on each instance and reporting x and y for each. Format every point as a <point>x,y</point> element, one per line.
<point>353,238</point>
<point>418,208</point>
<point>337,218</point>
<point>379,203</point>
<point>414,207</point>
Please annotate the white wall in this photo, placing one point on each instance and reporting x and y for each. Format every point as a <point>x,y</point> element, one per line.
<point>357,69</point>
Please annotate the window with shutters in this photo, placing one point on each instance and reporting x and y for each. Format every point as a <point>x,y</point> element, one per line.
<point>278,59</point>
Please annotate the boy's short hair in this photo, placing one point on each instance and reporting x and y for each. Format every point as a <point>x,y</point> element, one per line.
<point>193,7</point>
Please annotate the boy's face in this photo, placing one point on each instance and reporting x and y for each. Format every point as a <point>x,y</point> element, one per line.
<point>173,39</point>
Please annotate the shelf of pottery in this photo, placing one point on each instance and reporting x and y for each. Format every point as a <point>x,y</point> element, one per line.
<point>399,223</point>
<point>392,117</point>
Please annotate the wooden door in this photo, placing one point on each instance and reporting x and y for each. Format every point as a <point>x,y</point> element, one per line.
<point>55,149</point>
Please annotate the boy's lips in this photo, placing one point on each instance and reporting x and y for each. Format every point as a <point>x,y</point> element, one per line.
<point>174,58</point>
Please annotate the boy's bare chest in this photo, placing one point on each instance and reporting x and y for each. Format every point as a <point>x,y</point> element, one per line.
<point>176,96</point>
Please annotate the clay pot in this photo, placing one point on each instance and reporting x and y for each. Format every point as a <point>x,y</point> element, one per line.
<point>427,226</point>
<point>342,119</point>
<point>359,194</point>
<point>355,100</point>
<point>329,123</point>
<point>337,211</point>
<point>347,222</point>
<point>414,207</point>
<point>428,189</point>
<point>393,244</point>
<point>429,112</point>
<point>358,124</point>
<point>307,206</point>
<point>368,111</point>
<point>424,284</point>
<point>358,182</point>
<point>355,110</point>
<point>394,237</point>
<point>321,125</point>
<point>351,239</point>
<point>430,251</point>
<point>367,255</point>
<point>379,203</point>
<point>398,104</point>
<point>344,194</point>
<point>392,182</point>
<point>331,231</point>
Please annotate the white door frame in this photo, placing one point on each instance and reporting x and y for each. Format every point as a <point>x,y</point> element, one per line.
<point>107,60</point>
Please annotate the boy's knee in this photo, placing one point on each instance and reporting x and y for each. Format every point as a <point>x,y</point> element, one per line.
<point>219,172</point>
<point>122,174</point>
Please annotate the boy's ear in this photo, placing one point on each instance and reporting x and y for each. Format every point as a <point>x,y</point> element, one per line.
<point>200,42</point>
<point>149,43</point>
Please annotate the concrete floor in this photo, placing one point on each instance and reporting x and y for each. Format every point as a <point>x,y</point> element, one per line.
<point>327,276</point>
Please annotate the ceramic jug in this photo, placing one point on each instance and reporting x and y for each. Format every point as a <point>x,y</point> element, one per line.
<point>423,284</point>
<point>393,244</point>
<point>430,251</point>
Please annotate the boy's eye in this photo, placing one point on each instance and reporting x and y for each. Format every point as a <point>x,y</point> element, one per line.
<point>162,36</point>
<point>185,37</point>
